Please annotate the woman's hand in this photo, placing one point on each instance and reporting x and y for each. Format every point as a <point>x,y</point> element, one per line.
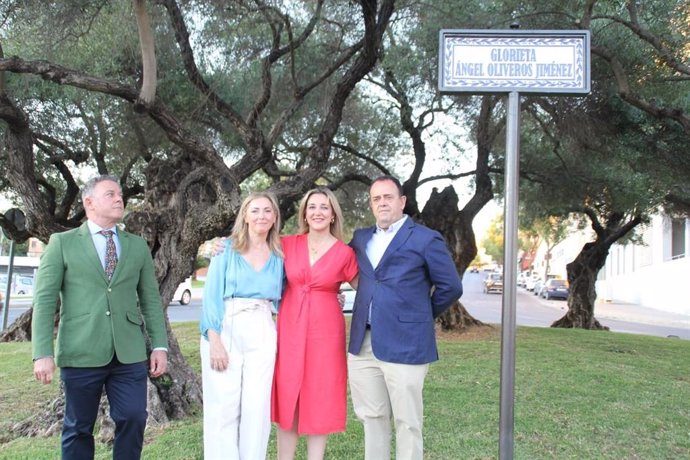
<point>219,356</point>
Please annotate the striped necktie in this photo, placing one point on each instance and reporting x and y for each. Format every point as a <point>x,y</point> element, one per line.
<point>110,253</point>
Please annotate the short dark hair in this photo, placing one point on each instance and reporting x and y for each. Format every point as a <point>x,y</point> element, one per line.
<point>393,179</point>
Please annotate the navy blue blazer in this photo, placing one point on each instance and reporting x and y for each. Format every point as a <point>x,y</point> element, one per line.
<point>400,291</point>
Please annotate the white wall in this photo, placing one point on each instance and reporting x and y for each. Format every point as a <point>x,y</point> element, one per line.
<point>641,274</point>
<point>645,275</point>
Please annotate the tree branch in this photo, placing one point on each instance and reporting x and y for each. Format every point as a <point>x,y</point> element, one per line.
<point>182,37</point>
<point>148,55</point>
<point>636,101</point>
<point>666,55</point>
<point>354,152</point>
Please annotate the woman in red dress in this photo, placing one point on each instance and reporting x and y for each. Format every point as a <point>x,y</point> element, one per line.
<point>310,379</point>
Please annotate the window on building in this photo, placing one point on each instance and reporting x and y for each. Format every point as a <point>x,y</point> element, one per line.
<point>677,238</point>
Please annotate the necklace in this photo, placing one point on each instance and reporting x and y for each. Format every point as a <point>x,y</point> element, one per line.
<point>316,247</point>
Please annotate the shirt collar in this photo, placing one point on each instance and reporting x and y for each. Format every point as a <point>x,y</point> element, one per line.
<point>95,228</point>
<point>394,227</point>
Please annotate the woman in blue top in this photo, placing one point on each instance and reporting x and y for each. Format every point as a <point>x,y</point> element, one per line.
<point>238,335</point>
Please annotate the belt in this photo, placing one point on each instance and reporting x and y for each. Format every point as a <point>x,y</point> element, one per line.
<point>237,305</point>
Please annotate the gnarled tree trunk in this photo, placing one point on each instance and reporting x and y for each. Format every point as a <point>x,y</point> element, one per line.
<point>582,272</point>
<point>441,214</point>
<point>19,330</point>
<point>582,276</point>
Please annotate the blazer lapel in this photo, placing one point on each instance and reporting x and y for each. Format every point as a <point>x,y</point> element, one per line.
<point>90,250</point>
<point>123,238</point>
<point>364,262</point>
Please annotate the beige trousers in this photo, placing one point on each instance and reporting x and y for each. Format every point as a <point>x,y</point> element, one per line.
<point>381,391</point>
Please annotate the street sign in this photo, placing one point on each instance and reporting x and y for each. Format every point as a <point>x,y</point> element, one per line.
<point>501,61</point>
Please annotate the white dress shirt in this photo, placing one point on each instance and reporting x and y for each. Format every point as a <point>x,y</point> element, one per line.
<point>378,243</point>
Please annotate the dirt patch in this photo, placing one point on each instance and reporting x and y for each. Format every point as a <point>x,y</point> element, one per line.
<point>470,334</point>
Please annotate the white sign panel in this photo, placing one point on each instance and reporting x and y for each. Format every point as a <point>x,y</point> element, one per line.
<point>496,61</point>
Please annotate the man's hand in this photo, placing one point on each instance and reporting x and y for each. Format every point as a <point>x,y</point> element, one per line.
<point>158,363</point>
<point>44,368</point>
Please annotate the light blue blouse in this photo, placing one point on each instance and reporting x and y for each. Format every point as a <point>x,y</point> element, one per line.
<point>229,275</point>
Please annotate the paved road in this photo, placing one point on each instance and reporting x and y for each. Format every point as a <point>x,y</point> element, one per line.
<point>176,312</point>
<point>534,311</point>
<point>530,311</point>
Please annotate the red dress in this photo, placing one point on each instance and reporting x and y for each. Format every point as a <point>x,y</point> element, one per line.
<point>311,365</point>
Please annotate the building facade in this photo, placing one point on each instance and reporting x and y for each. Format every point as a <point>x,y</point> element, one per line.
<point>653,273</point>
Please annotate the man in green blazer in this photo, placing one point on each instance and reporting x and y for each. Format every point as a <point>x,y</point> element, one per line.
<point>106,283</point>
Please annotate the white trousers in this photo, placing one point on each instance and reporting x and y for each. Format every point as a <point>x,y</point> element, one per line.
<point>237,401</point>
<point>381,391</point>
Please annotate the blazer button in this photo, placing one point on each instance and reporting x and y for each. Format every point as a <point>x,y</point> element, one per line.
<point>110,290</point>
<point>107,313</point>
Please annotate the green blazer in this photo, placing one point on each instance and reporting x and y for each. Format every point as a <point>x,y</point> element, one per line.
<point>98,318</point>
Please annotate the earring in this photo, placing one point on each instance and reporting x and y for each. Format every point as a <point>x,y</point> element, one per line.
<point>333,220</point>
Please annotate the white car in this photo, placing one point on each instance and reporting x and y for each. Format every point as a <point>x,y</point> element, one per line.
<point>521,279</point>
<point>183,295</point>
<point>531,281</point>
<point>22,285</point>
<point>349,293</point>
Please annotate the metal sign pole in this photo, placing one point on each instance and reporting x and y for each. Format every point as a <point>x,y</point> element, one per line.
<point>8,291</point>
<point>512,164</point>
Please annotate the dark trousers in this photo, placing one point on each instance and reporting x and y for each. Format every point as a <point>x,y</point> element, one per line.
<point>125,386</point>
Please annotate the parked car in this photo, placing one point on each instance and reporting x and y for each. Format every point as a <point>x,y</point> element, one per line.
<point>536,290</point>
<point>531,281</point>
<point>24,285</point>
<point>474,269</point>
<point>21,285</point>
<point>555,289</point>
<point>183,294</point>
<point>522,278</point>
<point>349,295</point>
<point>493,283</point>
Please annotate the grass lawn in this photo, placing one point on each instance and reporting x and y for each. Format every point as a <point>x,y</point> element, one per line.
<point>579,395</point>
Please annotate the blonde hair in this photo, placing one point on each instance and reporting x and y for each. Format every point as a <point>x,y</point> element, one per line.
<point>337,224</point>
<point>240,231</point>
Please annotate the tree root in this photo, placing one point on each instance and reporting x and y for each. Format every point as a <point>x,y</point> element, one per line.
<point>569,322</point>
<point>49,421</point>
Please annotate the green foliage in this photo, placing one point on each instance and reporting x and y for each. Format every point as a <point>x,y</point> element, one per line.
<point>493,239</point>
<point>201,262</point>
<point>20,249</point>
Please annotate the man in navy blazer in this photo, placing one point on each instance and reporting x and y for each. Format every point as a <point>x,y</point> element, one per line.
<point>407,278</point>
